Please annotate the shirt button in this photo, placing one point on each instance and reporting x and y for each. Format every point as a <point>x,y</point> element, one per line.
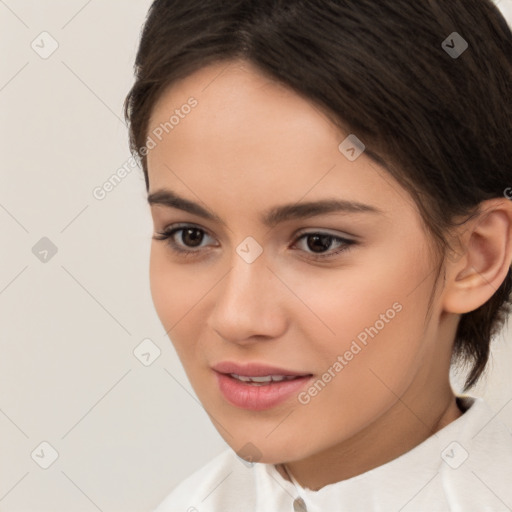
<point>299,505</point>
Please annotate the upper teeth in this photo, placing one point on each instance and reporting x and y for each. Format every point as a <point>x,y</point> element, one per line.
<point>266,378</point>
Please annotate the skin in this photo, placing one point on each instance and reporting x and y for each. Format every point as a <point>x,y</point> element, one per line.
<point>250,145</point>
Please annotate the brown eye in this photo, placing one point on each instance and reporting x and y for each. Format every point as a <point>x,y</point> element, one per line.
<point>318,243</point>
<point>192,237</point>
<point>184,240</point>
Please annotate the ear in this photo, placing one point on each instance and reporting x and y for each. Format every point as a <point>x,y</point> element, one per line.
<point>481,262</point>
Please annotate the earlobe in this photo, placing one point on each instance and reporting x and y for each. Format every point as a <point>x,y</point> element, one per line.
<point>486,257</point>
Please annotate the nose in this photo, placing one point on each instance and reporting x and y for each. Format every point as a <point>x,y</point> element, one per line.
<point>248,303</point>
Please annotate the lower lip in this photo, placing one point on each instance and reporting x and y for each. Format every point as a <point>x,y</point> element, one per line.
<point>258,398</point>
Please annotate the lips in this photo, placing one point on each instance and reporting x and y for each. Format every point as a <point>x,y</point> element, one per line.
<point>256,386</point>
<point>255,370</point>
<point>263,380</point>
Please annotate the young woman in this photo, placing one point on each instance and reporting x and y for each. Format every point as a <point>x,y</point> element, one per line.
<point>329,184</point>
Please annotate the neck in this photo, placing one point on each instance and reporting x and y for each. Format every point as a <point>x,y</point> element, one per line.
<point>392,434</point>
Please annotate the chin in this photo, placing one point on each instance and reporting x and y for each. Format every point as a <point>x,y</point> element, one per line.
<point>265,451</point>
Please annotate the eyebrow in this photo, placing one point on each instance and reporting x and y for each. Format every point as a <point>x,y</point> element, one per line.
<point>271,217</point>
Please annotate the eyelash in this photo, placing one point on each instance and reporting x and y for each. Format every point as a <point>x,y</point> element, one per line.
<point>167,235</point>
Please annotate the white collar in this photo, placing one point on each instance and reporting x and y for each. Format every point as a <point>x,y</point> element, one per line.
<point>393,485</point>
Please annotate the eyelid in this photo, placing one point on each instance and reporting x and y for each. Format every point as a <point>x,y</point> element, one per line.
<point>346,244</point>
<point>326,231</point>
<point>168,233</point>
<point>170,230</point>
<point>295,236</point>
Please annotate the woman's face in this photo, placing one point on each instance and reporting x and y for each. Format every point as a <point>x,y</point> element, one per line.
<point>269,283</point>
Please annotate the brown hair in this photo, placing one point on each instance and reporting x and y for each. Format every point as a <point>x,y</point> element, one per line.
<point>441,124</point>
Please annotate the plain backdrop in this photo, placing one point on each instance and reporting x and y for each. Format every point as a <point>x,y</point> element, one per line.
<point>74,288</point>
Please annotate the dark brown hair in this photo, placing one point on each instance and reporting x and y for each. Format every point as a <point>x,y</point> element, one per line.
<point>441,124</point>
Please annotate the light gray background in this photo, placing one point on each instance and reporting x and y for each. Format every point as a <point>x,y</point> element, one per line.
<point>125,433</point>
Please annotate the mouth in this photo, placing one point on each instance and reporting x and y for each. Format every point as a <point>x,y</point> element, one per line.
<point>252,370</point>
<point>266,379</point>
<point>258,387</point>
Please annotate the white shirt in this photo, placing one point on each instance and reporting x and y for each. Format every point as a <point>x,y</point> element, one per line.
<point>464,467</point>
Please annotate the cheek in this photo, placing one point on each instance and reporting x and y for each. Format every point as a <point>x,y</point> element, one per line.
<point>370,318</point>
<point>339,304</point>
<point>354,297</point>
<point>178,291</point>
<point>174,290</point>
<point>358,381</point>
<point>164,286</point>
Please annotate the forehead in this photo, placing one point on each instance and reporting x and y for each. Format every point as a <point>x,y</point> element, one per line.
<point>223,83</point>
<point>251,138</point>
<point>235,100</point>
